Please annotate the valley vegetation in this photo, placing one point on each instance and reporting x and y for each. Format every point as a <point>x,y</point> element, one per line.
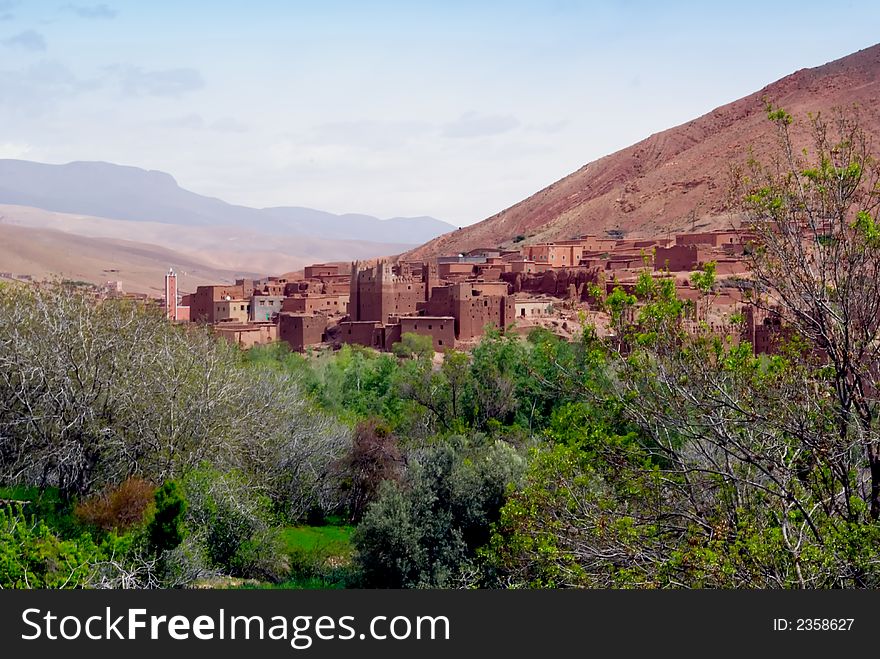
<point>135,453</point>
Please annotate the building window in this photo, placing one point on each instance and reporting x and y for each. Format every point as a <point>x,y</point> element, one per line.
<point>440,342</point>
<point>430,327</point>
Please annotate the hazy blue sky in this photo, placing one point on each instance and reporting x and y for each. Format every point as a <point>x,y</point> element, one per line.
<point>452,109</point>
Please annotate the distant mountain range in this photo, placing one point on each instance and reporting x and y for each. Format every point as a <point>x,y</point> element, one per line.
<point>101,189</point>
<point>96,221</point>
<point>679,179</point>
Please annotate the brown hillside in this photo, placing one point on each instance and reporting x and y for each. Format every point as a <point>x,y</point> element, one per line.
<point>141,267</point>
<point>237,248</point>
<point>679,178</point>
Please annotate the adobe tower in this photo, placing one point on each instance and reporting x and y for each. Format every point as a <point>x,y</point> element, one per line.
<point>171,295</point>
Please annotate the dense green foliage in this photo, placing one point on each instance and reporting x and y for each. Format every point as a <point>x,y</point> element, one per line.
<point>166,530</point>
<point>31,556</point>
<point>425,531</point>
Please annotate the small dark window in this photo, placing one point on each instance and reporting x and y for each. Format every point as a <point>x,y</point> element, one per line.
<point>430,327</point>
<point>440,342</point>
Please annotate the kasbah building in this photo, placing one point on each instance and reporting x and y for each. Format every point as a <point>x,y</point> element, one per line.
<point>454,299</point>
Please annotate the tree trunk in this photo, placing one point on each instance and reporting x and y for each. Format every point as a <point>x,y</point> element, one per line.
<point>874,460</point>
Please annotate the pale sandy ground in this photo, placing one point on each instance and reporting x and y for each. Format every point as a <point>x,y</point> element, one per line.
<point>44,253</point>
<point>225,248</point>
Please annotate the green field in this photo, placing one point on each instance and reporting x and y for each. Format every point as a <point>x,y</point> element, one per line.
<point>320,557</point>
<point>330,541</point>
<point>21,493</point>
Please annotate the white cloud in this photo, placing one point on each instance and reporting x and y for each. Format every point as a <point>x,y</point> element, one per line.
<point>14,150</point>
<point>136,81</point>
<point>5,6</point>
<point>95,11</point>
<point>29,40</point>
<point>549,127</point>
<point>472,124</point>
<point>369,133</point>
<point>228,125</point>
<point>190,121</point>
<point>35,90</point>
